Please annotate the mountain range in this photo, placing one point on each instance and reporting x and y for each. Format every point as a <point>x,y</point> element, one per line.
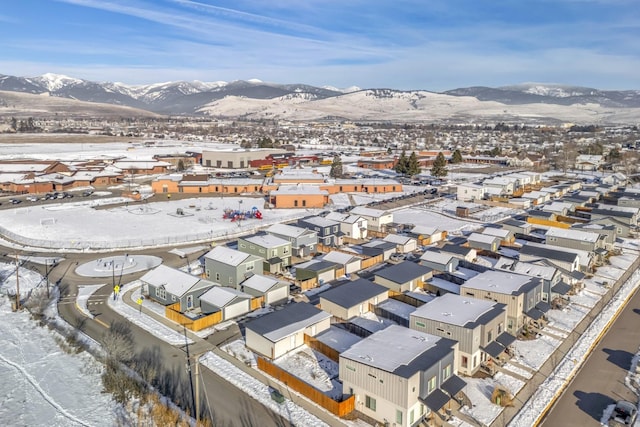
<point>255,99</point>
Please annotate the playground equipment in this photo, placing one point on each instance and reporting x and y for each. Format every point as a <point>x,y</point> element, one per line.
<point>238,215</point>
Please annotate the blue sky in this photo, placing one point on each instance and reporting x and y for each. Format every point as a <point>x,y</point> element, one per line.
<point>403,44</point>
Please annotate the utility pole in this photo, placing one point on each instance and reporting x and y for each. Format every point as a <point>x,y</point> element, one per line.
<point>17,283</point>
<point>193,398</point>
<point>46,274</point>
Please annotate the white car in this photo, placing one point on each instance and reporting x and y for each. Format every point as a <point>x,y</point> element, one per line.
<point>624,414</point>
<point>32,198</point>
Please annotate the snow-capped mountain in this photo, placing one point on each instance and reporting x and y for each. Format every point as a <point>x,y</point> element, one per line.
<point>257,99</point>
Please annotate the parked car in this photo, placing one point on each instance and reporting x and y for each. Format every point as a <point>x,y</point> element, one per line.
<point>87,193</point>
<point>32,198</point>
<point>624,414</point>
<point>15,201</point>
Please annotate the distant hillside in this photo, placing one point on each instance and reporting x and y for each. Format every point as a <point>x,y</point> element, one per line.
<point>254,99</point>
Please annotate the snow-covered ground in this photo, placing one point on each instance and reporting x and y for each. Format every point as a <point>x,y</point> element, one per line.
<point>44,381</point>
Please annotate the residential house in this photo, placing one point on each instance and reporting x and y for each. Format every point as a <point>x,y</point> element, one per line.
<point>521,294</point>
<point>402,277</point>
<point>350,262</point>
<point>586,259</point>
<point>468,192</point>
<point>270,288</point>
<point>474,323</point>
<point>506,236</point>
<point>280,332</point>
<point>484,242</point>
<point>377,220</point>
<point>589,162</point>
<point>462,252</point>
<point>549,274</point>
<point>567,260</point>
<point>379,247</point>
<point>503,184</point>
<point>230,267</point>
<point>352,226</point>
<point>400,386</point>
<point>439,260</point>
<point>426,235</point>
<point>626,215</point>
<point>316,269</point>
<point>328,231</point>
<point>303,240</point>
<point>275,251</point>
<point>352,298</point>
<point>517,227</point>
<point>231,302</point>
<point>404,244</point>
<point>575,239</point>
<point>167,286</point>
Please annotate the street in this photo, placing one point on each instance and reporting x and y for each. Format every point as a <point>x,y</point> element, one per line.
<point>600,382</point>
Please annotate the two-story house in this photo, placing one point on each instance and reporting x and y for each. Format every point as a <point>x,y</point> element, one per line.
<point>275,251</point>
<point>474,323</point>
<point>303,240</point>
<point>400,386</point>
<point>377,219</point>
<point>521,294</point>
<point>328,231</point>
<point>353,226</point>
<point>230,267</point>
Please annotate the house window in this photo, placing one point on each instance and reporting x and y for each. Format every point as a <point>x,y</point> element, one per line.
<point>161,293</point>
<point>295,203</point>
<point>250,267</point>
<point>370,402</point>
<point>465,361</point>
<point>304,203</point>
<point>489,336</point>
<point>500,326</point>
<point>398,416</point>
<point>422,325</point>
<point>432,384</point>
<point>446,372</point>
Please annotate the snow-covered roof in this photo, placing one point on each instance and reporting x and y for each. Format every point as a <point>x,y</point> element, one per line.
<point>573,234</point>
<point>260,283</point>
<point>175,282</point>
<point>425,230</point>
<point>338,339</point>
<point>408,345</point>
<point>482,238</point>
<point>456,310</point>
<point>319,221</point>
<point>266,240</point>
<point>339,257</point>
<point>437,257</point>
<point>497,232</point>
<point>499,282</point>
<point>227,255</point>
<point>397,239</point>
<point>445,285</point>
<point>221,296</point>
<point>23,167</point>
<point>298,189</point>
<point>364,211</point>
<point>287,230</point>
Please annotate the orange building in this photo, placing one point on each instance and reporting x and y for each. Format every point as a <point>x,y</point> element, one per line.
<point>298,196</point>
<point>377,164</point>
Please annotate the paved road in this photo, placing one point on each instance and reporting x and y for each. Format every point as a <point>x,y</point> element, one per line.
<point>228,405</point>
<point>600,382</point>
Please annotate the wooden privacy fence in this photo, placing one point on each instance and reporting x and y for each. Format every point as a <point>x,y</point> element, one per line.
<point>331,353</point>
<point>172,313</point>
<point>340,409</point>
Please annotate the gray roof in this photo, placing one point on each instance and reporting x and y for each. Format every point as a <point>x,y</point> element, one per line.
<point>413,351</point>
<point>548,253</point>
<point>288,321</point>
<point>318,221</point>
<point>460,310</point>
<point>338,339</point>
<point>373,213</point>
<point>403,272</point>
<point>353,293</point>
<point>288,230</point>
<point>261,283</point>
<point>382,244</point>
<point>316,265</point>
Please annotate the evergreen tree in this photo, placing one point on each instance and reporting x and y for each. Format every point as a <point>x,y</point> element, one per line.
<point>457,157</point>
<point>402,167</point>
<point>336,168</point>
<point>439,168</point>
<point>413,167</point>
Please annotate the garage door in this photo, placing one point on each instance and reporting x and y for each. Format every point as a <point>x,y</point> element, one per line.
<point>237,309</point>
<point>277,295</point>
<point>327,276</point>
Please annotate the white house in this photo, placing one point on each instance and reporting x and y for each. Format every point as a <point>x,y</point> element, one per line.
<point>277,333</point>
<point>377,220</point>
<point>353,226</point>
<point>468,192</point>
<point>350,262</point>
<point>272,289</point>
<point>404,244</point>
